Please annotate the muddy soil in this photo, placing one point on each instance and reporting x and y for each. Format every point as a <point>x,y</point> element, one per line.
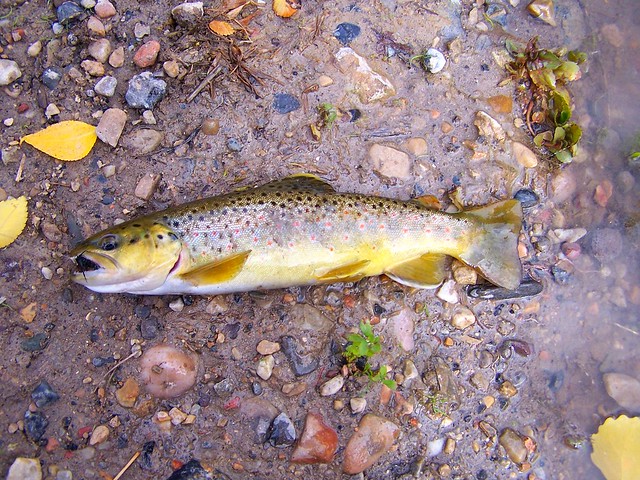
<point>531,365</point>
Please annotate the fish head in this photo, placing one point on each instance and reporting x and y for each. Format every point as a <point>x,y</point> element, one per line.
<point>135,256</point>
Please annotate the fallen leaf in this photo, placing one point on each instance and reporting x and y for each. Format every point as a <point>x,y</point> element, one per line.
<point>286,8</point>
<point>221,28</point>
<point>29,312</point>
<point>616,448</point>
<point>70,140</point>
<point>13,218</point>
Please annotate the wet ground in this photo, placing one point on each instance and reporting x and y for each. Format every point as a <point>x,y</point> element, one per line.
<point>530,365</point>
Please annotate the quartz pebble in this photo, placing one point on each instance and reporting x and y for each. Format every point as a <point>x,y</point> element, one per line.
<point>524,155</point>
<point>128,393</point>
<point>318,442</point>
<point>489,127</point>
<point>34,49</point>
<point>186,14</point>
<point>463,318</point>
<point>514,445</point>
<point>99,435</point>
<point>143,141</point>
<point>358,404</point>
<point>116,59</point>
<point>95,26</point>
<point>105,9</point>
<point>100,50</point>
<point>373,438</point>
<point>416,146</point>
<point>9,71</point>
<point>93,68</point>
<point>265,367</point>
<point>390,162</point>
<point>403,326</point>
<point>25,469</point>
<point>624,389</point>
<point>266,347</point>
<point>332,386</point>
<point>171,68</point>
<point>448,292</point>
<point>369,85</point>
<point>111,125</point>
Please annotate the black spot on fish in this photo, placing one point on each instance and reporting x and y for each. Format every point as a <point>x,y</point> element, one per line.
<point>201,218</point>
<point>160,237</point>
<point>137,225</point>
<point>173,236</point>
<point>146,235</point>
<point>132,241</point>
<point>175,224</point>
<point>190,217</point>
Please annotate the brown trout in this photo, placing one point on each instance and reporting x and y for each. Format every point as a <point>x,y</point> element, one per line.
<point>297,231</point>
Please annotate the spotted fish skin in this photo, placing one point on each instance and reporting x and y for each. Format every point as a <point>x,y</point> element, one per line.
<point>299,231</point>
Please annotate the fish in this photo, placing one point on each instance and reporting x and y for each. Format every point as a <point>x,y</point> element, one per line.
<point>297,231</point>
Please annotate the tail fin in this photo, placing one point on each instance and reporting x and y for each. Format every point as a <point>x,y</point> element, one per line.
<point>494,251</point>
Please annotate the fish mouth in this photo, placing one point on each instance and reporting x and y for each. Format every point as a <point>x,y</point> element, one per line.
<point>91,265</point>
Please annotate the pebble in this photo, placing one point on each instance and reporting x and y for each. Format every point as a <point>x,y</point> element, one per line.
<point>192,470</point>
<point>148,118</point>
<point>116,59</point>
<point>435,447</point>
<point>260,413</point>
<point>308,317</point>
<point>448,293</point>
<point>358,404</point>
<point>51,77</point>
<point>266,347</point>
<point>479,381</point>
<point>373,438</point>
<point>489,127</point>
<point>464,275</point>
<point>463,318</point>
<point>9,71</point>
<point>514,445</point>
<point>560,235</point>
<point>524,155</point>
<point>409,371</point>
<point>527,198</point>
<point>47,273</point>
<point>147,54</point>
<point>127,395</point>
<point>300,365</point>
<point>416,146</point>
<point>369,85</point>
<point>105,9</point>
<point>100,50</point>
<point>285,103</point>
<point>403,326</point>
<point>177,416</point>
<point>171,68</point>
<point>508,389</point>
<point>526,288</point>
<point>325,80</point>
<point>318,442</point>
<point>332,386</point>
<point>544,10</point>
<point>293,389</point>
<point>43,394</point>
<point>563,186</point>
<point>51,232</point>
<point>143,141</point>
<point>265,367</point>
<point>501,103</point>
<point>434,61</point>
<point>187,14</point>
<point>147,186</point>
<point>390,162</point>
<point>93,68</point>
<point>624,389</point>
<point>145,91</point>
<point>234,144</point>
<point>51,111</point>
<point>281,432</point>
<point>106,86</point>
<point>35,425</point>
<point>177,305</point>
<point>111,125</point>
<point>68,11</point>
<point>99,435</point>
<point>346,33</point>
<point>34,49</point>
<point>25,469</point>
<point>606,244</point>
<point>150,328</point>
<point>95,26</point>
<point>141,30</point>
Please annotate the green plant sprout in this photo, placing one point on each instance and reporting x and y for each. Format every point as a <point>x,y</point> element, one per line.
<point>365,345</point>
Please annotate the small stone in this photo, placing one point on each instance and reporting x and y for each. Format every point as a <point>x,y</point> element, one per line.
<point>624,389</point>
<point>332,386</point>
<point>93,68</point>
<point>141,30</point>
<point>612,34</point>
<point>150,327</point>
<point>106,86</point>
<point>57,28</point>
<point>318,442</point>
<point>358,404</point>
<point>463,318</point>
<point>43,394</point>
<point>416,146</point>
<point>35,425</point>
<point>68,11</point>
<point>47,273</point>
<point>99,435</point>
<point>489,127</point>
<point>105,9</point>
<point>403,326</point>
<point>501,103</point>
<point>374,437</point>
<point>234,144</point>
<point>177,305</point>
<point>265,367</point>
<point>479,381</point>
<point>325,81</point>
<point>369,85</point>
<point>171,68</point>
<point>449,446</point>
<point>508,389</point>
<point>527,198</point>
<point>111,125</point>
<point>51,77</point>
<point>410,372</point>
<point>281,432</point>
<point>147,186</point>
<point>116,59</point>
<point>514,445</point>
<point>187,14</point>
<point>293,389</point>
<point>9,71</point>
<point>435,447</point>
<point>544,10</point>
<point>34,49</point>
<point>100,50</point>
<point>128,393</point>
<point>51,111</point>
<point>145,91</point>
<point>25,469</point>
<point>465,275</point>
<point>448,292</point>
<point>285,103</point>
<point>346,33</point>
<point>524,155</point>
<point>177,416</point>
<point>390,162</point>
<point>434,61</point>
<point>266,347</point>
<point>210,126</point>
<point>147,54</point>
<point>308,317</point>
<point>51,232</point>
<point>95,26</point>
<point>300,365</point>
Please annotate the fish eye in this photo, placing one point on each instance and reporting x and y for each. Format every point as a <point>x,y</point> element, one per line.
<point>109,242</point>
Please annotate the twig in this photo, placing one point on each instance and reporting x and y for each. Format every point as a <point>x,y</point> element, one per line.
<point>625,328</point>
<point>112,369</point>
<point>20,169</point>
<point>126,467</point>
<point>214,73</point>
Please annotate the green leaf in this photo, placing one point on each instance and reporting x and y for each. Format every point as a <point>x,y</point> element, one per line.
<point>550,59</point>
<point>543,78</point>
<point>560,111</point>
<point>577,56</point>
<point>540,138</point>
<point>564,156</point>
<point>568,71</point>
<point>558,134</point>
<point>512,47</point>
<point>390,383</point>
<point>366,329</point>
<point>573,133</point>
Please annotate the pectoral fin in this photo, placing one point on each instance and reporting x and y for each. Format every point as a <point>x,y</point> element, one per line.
<point>217,272</point>
<point>349,272</point>
<point>427,271</point>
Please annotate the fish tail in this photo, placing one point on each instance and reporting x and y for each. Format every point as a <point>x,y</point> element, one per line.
<point>494,249</point>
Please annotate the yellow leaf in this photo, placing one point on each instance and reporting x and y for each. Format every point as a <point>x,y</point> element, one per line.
<point>69,140</point>
<point>221,28</point>
<point>616,448</point>
<point>286,8</point>
<point>13,218</point>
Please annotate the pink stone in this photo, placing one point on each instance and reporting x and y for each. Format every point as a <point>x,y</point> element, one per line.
<point>318,443</point>
<point>95,25</point>
<point>147,54</point>
<point>374,437</point>
<point>105,9</point>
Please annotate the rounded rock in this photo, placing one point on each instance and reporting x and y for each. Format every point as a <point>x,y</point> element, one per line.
<point>434,61</point>
<point>332,386</point>
<point>25,469</point>
<point>111,125</point>
<point>374,437</point>
<point>100,50</point>
<point>266,347</point>
<point>265,367</point>
<point>105,9</point>
<point>106,86</point>
<point>147,54</point>
<point>167,372</point>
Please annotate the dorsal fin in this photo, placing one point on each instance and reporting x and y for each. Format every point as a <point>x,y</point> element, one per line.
<point>305,182</point>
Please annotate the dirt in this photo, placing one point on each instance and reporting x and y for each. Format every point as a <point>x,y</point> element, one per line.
<point>547,388</point>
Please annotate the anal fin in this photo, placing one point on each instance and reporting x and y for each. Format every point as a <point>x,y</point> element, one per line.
<point>344,273</point>
<point>217,272</point>
<point>427,271</point>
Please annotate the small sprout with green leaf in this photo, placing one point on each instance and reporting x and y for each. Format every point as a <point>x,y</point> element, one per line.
<point>365,345</point>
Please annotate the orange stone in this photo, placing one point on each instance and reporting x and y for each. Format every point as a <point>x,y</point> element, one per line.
<point>374,437</point>
<point>318,442</point>
<point>147,54</point>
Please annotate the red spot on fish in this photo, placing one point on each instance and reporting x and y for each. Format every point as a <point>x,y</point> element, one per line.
<point>362,226</point>
<point>381,227</point>
<point>296,224</point>
<point>346,237</point>
<point>428,230</point>
<point>229,247</point>
<point>405,230</point>
<point>328,224</point>
<point>196,234</point>
<point>236,231</point>
<point>255,239</point>
<point>447,230</point>
<point>291,244</point>
<point>313,238</point>
<point>269,243</point>
<point>331,249</point>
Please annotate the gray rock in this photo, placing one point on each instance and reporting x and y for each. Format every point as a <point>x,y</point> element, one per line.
<point>100,50</point>
<point>9,71</point>
<point>300,365</point>
<point>145,91</point>
<point>332,386</point>
<point>143,141</point>
<point>308,317</point>
<point>43,394</point>
<point>186,14</point>
<point>192,470</point>
<point>35,424</point>
<point>25,469</point>
<point>106,86</point>
<point>111,125</point>
<point>51,77</point>
<point>390,162</point>
<point>281,433</point>
<point>68,11</point>
<point>260,414</point>
<point>624,389</point>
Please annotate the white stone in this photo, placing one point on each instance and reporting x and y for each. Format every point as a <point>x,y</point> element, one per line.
<point>358,404</point>
<point>265,367</point>
<point>51,110</point>
<point>624,389</point>
<point>489,127</point>
<point>25,469</point>
<point>106,86</point>
<point>369,85</point>
<point>524,155</point>
<point>448,292</point>
<point>332,386</point>
<point>463,318</point>
<point>9,71</point>
<point>177,305</point>
<point>34,49</point>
